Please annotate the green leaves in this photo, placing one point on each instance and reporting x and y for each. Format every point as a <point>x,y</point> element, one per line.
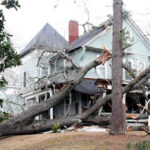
<point>11,4</point>
<point>3,116</point>
<point>8,56</point>
<point>126,14</point>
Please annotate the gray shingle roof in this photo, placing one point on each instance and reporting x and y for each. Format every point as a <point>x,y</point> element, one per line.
<point>83,39</point>
<point>48,37</point>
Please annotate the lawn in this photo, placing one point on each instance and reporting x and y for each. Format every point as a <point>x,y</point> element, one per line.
<point>75,140</point>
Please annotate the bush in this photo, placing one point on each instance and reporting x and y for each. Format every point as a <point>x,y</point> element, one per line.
<point>55,127</point>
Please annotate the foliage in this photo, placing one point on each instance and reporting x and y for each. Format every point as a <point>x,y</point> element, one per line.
<point>142,145</point>
<point>8,56</point>
<point>128,145</point>
<point>126,38</point>
<point>126,14</point>
<point>3,116</point>
<point>10,4</point>
<point>55,127</point>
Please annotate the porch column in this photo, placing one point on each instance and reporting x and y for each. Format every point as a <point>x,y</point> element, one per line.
<point>80,103</point>
<point>37,100</point>
<point>51,109</point>
<point>124,99</point>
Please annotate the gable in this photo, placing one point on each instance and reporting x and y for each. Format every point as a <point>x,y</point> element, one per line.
<point>141,46</point>
<point>48,37</point>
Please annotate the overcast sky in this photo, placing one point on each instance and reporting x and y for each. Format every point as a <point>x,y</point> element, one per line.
<point>34,14</point>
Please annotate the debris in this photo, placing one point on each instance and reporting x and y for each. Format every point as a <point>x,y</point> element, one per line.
<point>91,129</point>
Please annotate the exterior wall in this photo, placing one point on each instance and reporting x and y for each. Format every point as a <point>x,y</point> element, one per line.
<point>29,63</point>
<point>33,72</point>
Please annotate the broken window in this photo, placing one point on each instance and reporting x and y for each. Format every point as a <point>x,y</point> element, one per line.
<point>101,70</point>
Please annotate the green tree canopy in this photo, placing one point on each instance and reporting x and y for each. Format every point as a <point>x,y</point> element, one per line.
<point>8,56</point>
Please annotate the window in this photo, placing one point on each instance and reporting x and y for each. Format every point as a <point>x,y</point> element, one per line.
<point>24,79</point>
<point>140,66</point>
<point>44,71</point>
<point>101,70</point>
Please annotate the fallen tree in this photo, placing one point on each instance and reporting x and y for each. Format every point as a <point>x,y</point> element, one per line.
<point>19,122</point>
<point>22,124</point>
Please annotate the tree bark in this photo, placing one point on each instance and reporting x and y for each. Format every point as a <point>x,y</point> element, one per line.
<point>118,110</point>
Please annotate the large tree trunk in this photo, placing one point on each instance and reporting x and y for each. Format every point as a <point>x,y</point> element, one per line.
<point>118,110</point>
<point>11,128</point>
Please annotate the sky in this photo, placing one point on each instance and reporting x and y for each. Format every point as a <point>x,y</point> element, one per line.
<point>25,23</point>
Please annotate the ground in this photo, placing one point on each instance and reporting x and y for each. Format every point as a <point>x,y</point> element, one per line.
<point>73,141</point>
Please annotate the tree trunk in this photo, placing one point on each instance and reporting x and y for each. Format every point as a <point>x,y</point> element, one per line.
<point>118,110</point>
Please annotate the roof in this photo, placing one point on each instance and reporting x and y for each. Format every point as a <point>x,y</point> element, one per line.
<point>88,87</point>
<point>47,37</point>
<point>83,39</point>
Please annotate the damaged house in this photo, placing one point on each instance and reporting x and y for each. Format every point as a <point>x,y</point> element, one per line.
<point>44,70</point>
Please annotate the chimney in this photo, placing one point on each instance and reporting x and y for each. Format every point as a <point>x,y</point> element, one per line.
<point>73,31</point>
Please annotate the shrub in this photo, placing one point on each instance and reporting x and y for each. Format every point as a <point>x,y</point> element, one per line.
<point>55,128</point>
<point>128,146</point>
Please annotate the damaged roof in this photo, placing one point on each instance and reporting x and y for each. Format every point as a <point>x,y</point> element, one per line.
<point>86,37</point>
<point>83,39</point>
<point>88,87</point>
<point>47,37</point>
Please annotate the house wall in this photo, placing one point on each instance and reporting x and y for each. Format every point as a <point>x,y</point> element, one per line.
<point>33,72</point>
<point>29,62</point>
